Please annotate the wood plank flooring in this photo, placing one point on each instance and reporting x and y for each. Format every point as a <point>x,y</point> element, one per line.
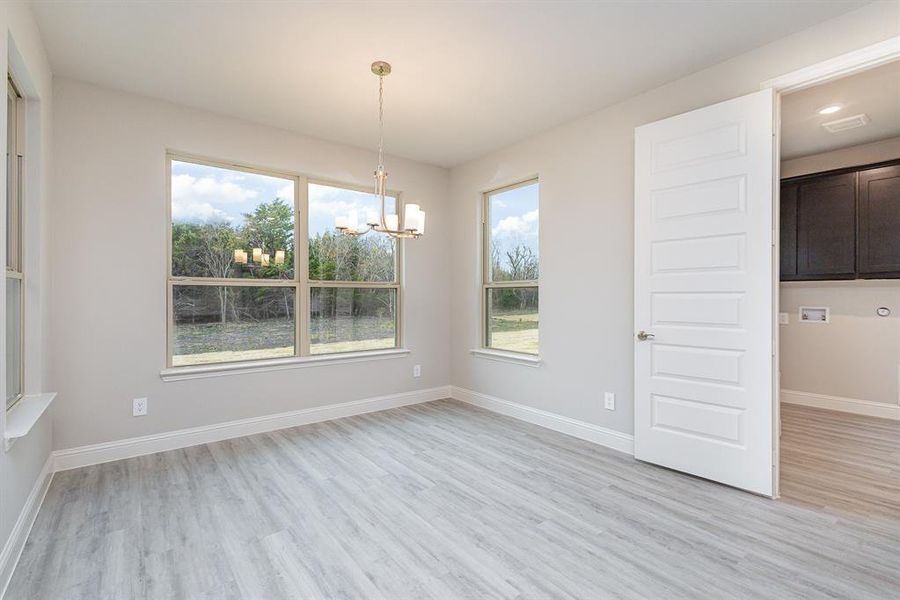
<point>838,461</point>
<point>438,500</point>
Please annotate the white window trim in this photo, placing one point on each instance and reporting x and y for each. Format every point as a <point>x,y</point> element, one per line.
<point>277,364</point>
<point>18,129</point>
<point>518,358</point>
<point>485,351</point>
<point>301,283</point>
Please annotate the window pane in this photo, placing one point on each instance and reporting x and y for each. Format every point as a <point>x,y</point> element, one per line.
<point>514,234</point>
<point>512,319</point>
<point>352,319</point>
<point>229,223</point>
<point>337,257</point>
<point>214,324</point>
<point>13,340</point>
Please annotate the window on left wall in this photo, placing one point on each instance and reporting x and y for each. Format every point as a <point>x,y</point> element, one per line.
<point>15,278</point>
<point>241,288</point>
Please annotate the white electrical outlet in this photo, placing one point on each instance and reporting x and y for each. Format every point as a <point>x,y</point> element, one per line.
<point>609,400</point>
<point>139,407</point>
<point>417,370</point>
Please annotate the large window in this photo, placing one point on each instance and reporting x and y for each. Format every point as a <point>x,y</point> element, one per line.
<point>510,291</point>
<point>15,278</point>
<point>240,288</point>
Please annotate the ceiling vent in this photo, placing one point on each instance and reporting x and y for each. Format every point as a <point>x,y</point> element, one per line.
<point>846,123</point>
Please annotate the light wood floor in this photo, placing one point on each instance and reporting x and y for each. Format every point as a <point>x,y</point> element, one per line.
<point>438,500</point>
<point>838,461</point>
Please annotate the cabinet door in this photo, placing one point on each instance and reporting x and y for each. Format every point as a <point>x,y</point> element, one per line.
<point>879,222</point>
<point>826,227</point>
<point>788,235</point>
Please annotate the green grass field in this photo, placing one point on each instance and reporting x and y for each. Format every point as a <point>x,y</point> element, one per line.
<point>208,343</point>
<point>515,331</point>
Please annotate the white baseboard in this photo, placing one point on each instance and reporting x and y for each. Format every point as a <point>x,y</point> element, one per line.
<point>850,405</point>
<point>83,456</point>
<point>9,557</point>
<point>616,440</point>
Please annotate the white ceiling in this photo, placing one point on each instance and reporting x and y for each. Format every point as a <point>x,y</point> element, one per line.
<point>469,77</point>
<point>875,93</point>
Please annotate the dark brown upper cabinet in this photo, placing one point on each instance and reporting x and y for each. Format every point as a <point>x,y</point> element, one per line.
<point>789,230</point>
<point>879,222</point>
<point>842,224</point>
<point>826,227</point>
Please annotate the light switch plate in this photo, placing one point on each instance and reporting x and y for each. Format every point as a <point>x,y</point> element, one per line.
<point>784,318</point>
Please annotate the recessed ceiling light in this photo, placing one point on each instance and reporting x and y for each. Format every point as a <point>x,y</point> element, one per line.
<point>830,109</point>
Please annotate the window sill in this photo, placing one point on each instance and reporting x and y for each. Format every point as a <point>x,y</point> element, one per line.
<point>235,368</point>
<point>22,417</point>
<point>529,360</point>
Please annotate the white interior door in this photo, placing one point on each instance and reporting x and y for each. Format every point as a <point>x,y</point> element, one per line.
<point>704,284</point>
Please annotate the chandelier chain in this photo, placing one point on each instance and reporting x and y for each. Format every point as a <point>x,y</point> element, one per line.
<point>381,122</point>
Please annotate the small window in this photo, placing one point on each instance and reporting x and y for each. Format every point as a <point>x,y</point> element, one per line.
<point>15,277</point>
<point>511,268</point>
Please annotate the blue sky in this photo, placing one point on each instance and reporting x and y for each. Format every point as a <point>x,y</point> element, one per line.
<point>203,194</point>
<point>514,217</point>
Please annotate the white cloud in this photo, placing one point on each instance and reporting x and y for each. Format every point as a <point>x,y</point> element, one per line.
<point>286,193</point>
<point>198,198</point>
<point>526,225</point>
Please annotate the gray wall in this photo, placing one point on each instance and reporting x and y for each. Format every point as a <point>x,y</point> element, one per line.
<point>856,354</point>
<point>586,171</point>
<point>23,51</point>
<point>108,265</point>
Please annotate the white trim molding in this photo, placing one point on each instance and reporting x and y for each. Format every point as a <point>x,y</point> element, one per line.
<point>517,358</point>
<point>616,440</point>
<point>73,458</point>
<point>840,66</point>
<point>9,557</point>
<point>849,405</point>
<point>277,364</point>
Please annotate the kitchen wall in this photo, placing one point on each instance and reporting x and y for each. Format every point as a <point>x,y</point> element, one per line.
<point>586,172</point>
<point>22,53</point>
<point>107,243</point>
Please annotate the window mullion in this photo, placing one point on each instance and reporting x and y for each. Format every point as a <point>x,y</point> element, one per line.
<point>301,264</point>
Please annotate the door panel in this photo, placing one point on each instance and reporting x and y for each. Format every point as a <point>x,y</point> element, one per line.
<point>704,288</point>
<point>879,221</point>
<point>789,231</point>
<point>826,227</point>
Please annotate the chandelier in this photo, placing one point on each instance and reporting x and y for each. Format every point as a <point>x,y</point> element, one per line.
<point>413,225</point>
<point>259,257</point>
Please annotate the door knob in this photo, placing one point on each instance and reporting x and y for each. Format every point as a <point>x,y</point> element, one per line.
<point>644,336</point>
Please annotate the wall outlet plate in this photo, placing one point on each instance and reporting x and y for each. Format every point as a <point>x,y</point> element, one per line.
<point>417,370</point>
<point>609,401</point>
<point>139,407</point>
<point>784,318</point>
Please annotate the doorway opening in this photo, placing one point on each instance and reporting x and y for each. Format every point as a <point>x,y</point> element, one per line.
<point>839,293</point>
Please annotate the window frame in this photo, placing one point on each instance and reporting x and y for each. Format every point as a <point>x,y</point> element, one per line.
<point>17,227</point>
<point>301,283</point>
<point>487,282</point>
